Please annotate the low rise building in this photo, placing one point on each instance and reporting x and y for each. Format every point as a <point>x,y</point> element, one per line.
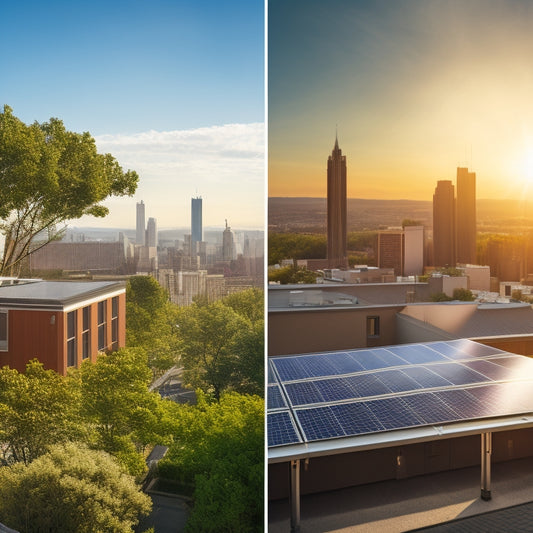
<point>60,323</point>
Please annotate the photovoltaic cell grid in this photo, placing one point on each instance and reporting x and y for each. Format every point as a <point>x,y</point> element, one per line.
<point>357,392</point>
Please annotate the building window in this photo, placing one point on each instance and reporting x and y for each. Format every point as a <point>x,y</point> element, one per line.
<point>114,323</point>
<point>86,333</point>
<point>72,319</point>
<point>3,331</point>
<point>102,326</point>
<point>372,326</point>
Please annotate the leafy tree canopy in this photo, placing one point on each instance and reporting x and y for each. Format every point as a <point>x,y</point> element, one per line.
<point>292,274</point>
<point>117,402</point>
<point>37,408</point>
<point>71,489</point>
<point>49,175</point>
<point>151,322</point>
<point>219,446</point>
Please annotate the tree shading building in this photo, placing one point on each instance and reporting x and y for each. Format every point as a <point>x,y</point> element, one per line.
<point>337,241</point>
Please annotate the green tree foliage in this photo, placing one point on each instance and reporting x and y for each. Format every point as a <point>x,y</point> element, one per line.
<point>151,322</point>
<point>291,274</point>
<point>411,222</point>
<point>116,401</point>
<point>37,408</point>
<point>451,271</point>
<point>207,335</point>
<point>464,295</point>
<point>440,297</point>
<point>49,175</point>
<point>249,304</point>
<point>222,343</point>
<point>361,240</point>
<point>218,446</point>
<point>71,489</point>
<point>295,246</point>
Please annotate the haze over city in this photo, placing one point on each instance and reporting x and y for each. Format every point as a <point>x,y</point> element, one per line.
<point>173,90</point>
<point>414,89</point>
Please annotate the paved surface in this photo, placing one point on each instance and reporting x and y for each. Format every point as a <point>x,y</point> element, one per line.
<point>169,515</point>
<point>515,519</point>
<point>450,499</point>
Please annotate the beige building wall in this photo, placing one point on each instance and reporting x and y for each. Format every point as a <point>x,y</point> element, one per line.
<point>317,330</point>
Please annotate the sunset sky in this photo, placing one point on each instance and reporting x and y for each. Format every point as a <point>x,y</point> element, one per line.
<point>416,88</point>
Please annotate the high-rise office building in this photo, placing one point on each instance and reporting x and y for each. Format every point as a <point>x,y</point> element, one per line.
<point>196,220</point>
<point>337,248</point>
<point>466,216</point>
<point>444,224</point>
<point>228,244</point>
<point>151,232</point>
<point>140,227</point>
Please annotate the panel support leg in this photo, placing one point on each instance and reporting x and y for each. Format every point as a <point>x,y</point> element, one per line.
<point>295,495</point>
<point>486,452</point>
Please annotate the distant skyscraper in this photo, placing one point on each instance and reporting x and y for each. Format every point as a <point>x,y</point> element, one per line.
<point>228,245</point>
<point>337,249</point>
<point>466,216</point>
<point>196,219</point>
<point>151,232</point>
<point>140,227</point>
<point>444,224</point>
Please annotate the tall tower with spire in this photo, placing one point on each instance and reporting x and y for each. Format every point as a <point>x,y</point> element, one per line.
<point>337,247</point>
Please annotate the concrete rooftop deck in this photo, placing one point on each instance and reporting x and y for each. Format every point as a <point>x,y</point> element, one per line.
<point>419,502</point>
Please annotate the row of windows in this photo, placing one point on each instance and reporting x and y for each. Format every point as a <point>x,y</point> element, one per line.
<point>3,330</point>
<point>101,324</point>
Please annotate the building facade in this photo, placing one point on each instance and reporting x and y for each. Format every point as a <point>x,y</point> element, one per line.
<point>196,220</point>
<point>151,233</point>
<point>140,234</point>
<point>444,224</point>
<point>60,323</point>
<point>337,209</point>
<point>466,216</point>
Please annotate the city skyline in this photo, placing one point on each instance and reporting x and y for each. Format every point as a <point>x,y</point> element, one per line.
<point>415,89</point>
<point>173,90</point>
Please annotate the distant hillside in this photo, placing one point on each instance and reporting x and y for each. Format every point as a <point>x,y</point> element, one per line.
<point>308,215</point>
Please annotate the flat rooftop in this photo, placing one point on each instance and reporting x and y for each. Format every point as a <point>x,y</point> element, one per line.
<point>54,294</point>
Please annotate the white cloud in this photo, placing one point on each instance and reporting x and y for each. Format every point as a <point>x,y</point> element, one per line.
<point>223,164</point>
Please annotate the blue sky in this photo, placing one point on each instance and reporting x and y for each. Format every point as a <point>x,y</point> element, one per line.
<point>149,78</point>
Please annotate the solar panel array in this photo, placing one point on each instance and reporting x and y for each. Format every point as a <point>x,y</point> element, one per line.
<point>314,397</point>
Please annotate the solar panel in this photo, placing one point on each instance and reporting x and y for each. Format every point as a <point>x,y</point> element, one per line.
<point>365,385</point>
<point>457,374</point>
<point>303,393</point>
<point>275,399</point>
<point>388,358</point>
<point>430,409</point>
<point>344,363</point>
<point>397,381</point>
<point>335,389</point>
<point>359,392</point>
<point>281,429</point>
<point>464,404</point>
<point>416,354</point>
<point>356,418</point>
<point>367,359</point>
<point>319,423</point>
<point>393,413</point>
<point>426,378</point>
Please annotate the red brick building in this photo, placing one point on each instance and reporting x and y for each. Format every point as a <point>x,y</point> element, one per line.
<point>60,323</point>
